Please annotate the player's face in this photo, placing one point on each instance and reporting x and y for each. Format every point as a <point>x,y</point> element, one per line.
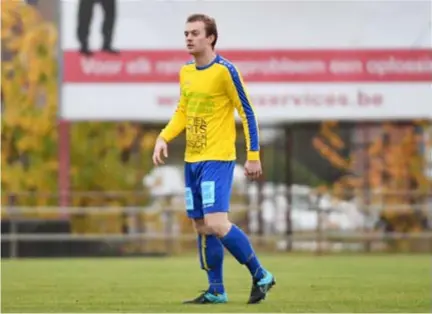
<point>196,39</point>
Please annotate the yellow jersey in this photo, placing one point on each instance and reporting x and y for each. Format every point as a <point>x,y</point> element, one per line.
<point>209,96</point>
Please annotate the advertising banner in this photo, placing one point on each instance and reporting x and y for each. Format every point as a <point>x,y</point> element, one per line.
<point>300,60</point>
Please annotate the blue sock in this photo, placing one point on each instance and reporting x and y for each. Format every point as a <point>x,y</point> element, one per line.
<point>211,252</point>
<point>238,244</point>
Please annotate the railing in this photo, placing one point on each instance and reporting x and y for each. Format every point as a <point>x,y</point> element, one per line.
<point>319,239</point>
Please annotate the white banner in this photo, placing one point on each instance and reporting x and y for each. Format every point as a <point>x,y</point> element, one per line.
<point>273,102</point>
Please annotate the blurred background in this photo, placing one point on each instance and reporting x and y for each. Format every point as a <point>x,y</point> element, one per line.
<point>342,93</point>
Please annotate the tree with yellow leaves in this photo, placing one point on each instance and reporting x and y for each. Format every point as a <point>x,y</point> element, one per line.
<point>104,156</point>
<point>394,178</point>
<point>29,90</point>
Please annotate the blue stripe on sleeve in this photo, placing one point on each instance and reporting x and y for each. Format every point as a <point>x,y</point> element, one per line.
<point>250,116</point>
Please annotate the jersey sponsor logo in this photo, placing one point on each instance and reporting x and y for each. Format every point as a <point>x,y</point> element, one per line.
<point>196,134</point>
<point>200,103</point>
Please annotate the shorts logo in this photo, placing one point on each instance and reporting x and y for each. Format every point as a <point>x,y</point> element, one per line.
<point>208,193</point>
<point>189,199</point>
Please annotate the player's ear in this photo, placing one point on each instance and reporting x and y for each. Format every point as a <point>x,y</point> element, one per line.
<point>211,39</point>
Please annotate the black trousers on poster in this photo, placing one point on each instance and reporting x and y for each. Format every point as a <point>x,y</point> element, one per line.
<point>85,15</point>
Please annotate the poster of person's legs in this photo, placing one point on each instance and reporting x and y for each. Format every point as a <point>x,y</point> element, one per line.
<point>32,2</point>
<point>85,15</point>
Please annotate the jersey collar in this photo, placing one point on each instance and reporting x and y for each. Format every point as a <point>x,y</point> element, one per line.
<point>203,67</point>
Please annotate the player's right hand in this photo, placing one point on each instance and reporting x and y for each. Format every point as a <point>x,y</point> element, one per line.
<point>160,147</point>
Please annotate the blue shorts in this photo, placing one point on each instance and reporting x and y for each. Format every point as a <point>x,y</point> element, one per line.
<point>208,187</point>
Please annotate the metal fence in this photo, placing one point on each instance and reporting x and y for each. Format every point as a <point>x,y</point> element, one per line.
<point>305,223</point>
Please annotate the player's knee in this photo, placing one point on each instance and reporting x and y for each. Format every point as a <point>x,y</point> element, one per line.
<point>218,223</point>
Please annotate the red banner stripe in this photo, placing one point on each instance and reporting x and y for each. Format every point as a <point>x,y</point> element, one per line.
<point>266,66</point>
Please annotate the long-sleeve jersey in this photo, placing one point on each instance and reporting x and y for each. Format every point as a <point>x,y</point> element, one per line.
<point>209,96</point>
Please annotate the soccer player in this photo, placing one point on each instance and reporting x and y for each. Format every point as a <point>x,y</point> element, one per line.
<point>211,88</point>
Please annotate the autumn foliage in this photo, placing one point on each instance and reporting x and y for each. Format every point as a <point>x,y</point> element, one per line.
<point>29,100</point>
<point>385,173</point>
<point>104,156</point>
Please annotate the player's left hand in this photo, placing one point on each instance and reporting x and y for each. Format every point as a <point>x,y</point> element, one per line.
<point>253,169</point>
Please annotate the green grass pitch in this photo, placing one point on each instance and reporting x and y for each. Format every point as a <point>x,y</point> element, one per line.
<point>355,283</point>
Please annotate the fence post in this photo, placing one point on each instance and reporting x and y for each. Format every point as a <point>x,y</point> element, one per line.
<point>14,243</point>
<point>13,249</point>
<point>319,232</point>
<point>289,139</point>
<point>169,227</point>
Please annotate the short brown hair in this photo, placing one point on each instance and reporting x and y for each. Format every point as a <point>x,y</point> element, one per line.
<point>209,23</point>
